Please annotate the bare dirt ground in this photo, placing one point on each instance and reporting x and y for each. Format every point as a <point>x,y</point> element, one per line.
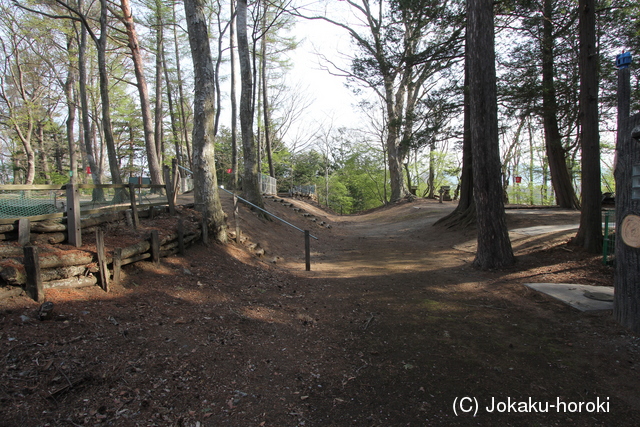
<point>392,327</point>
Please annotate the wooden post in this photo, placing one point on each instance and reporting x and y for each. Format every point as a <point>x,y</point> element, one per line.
<point>102,261</point>
<point>34,285</point>
<point>24,231</point>
<point>134,207</point>
<point>307,250</point>
<point>168,185</point>
<point>74,227</point>
<point>155,247</point>
<point>181,237</point>
<point>117,265</point>
<point>235,217</point>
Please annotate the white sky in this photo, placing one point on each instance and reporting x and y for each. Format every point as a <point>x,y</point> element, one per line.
<point>332,103</point>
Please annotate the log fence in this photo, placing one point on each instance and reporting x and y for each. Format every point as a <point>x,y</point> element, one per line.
<point>34,270</point>
<point>26,267</point>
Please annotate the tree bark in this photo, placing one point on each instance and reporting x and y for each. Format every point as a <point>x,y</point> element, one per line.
<point>206,184</point>
<point>250,182</point>
<point>494,246</point>
<point>560,178</point>
<point>147,123</point>
<point>589,234</point>
<point>626,303</point>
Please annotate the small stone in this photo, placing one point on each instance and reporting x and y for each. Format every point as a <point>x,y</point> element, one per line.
<point>45,312</point>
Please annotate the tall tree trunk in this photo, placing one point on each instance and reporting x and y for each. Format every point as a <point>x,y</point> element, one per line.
<point>71,113</point>
<point>206,194</point>
<point>175,134</point>
<point>29,152</point>
<point>83,178</point>
<point>182,99</point>
<point>250,183</point>
<point>58,154</point>
<point>395,151</point>
<point>104,96</point>
<point>560,177</point>
<point>138,65</point>
<point>44,164</point>
<point>97,193</point>
<point>23,126</point>
<point>432,171</point>
<point>626,305</point>
<point>494,247</point>
<point>219,57</point>
<point>159,113</point>
<point>531,164</point>
<point>590,232</point>
<point>265,97</point>
<point>234,102</point>
<point>465,213</point>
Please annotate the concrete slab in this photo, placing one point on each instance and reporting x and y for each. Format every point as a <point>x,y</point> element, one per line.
<point>582,297</point>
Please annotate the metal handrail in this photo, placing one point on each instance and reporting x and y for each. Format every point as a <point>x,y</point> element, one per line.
<point>267,212</point>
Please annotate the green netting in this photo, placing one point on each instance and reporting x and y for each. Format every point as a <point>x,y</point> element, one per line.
<point>20,204</point>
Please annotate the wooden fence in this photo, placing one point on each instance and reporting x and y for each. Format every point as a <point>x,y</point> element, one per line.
<point>28,268</point>
<point>74,210</point>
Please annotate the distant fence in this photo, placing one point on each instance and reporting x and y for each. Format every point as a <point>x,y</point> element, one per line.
<point>268,184</point>
<point>304,190</point>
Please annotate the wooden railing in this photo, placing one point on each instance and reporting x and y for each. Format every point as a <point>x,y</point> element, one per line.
<point>74,208</point>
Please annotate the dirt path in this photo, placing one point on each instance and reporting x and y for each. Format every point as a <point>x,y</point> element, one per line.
<point>390,328</point>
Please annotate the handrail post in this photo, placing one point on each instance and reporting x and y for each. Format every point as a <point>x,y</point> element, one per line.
<point>307,250</point>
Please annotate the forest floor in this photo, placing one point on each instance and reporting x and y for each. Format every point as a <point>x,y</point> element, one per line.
<point>392,327</point>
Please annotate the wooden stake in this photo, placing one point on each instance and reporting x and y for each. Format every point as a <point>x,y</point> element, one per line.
<point>74,227</point>
<point>102,261</point>
<point>24,231</point>
<point>34,286</point>
<point>307,250</point>
<point>117,265</point>
<point>170,190</point>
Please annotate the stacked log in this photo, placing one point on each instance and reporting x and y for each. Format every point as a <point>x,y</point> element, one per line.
<point>79,268</point>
